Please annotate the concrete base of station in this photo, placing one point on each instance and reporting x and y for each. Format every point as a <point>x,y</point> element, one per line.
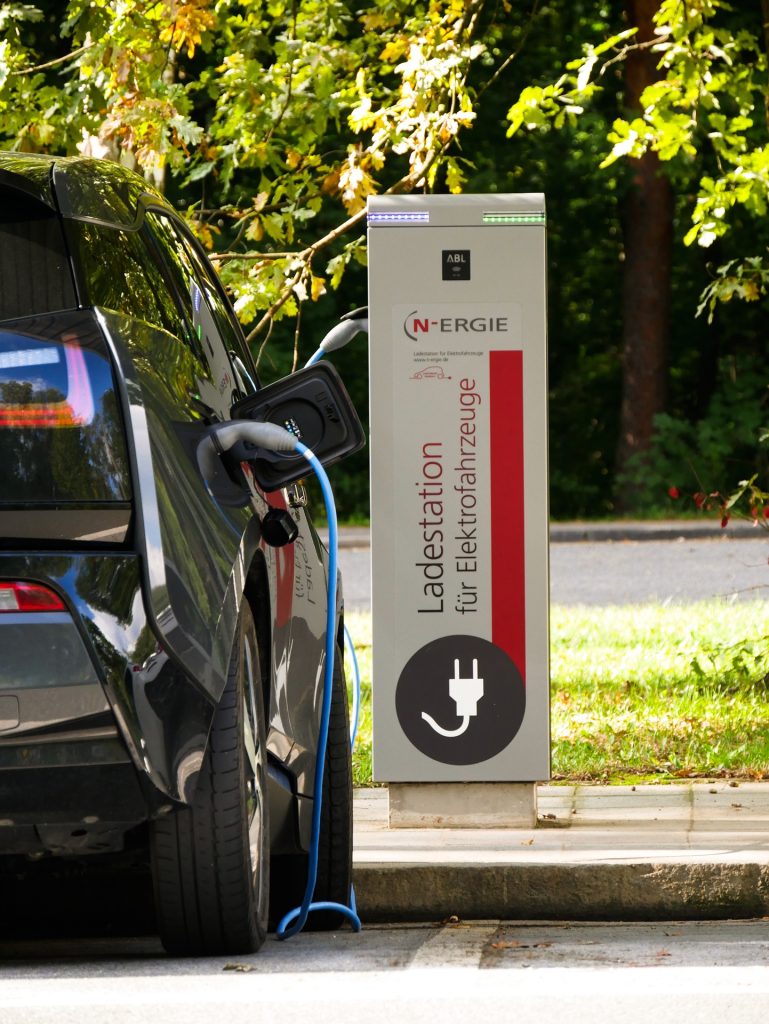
<point>462,804</point>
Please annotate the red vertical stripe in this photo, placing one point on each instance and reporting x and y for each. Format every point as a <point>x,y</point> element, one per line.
<point>508,571</point>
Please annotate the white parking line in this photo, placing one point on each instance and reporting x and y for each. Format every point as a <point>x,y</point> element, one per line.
<point>455,945</point>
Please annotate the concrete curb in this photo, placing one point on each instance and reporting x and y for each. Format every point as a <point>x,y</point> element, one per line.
<point>688,851</point>
<point>580,892</point>
<point>618,530</point>
<point>669,529</point>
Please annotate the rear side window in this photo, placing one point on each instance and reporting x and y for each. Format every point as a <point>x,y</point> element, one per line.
<point>184,255</point>
<point>122,274</point>
<point>61,431</point>
<point>35,276</point>
<point>212,333</point>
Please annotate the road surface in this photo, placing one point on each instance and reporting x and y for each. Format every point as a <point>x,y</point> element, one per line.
<point>529,973</point>
<point>626,572</point>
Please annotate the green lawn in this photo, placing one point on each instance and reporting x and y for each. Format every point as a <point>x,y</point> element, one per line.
<point>647,693</point>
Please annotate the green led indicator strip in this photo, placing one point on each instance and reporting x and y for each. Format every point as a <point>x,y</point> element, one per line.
<point>513,218</point>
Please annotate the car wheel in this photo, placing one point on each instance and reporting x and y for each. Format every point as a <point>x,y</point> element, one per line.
<point>334,881</point>
<point>210,861</point>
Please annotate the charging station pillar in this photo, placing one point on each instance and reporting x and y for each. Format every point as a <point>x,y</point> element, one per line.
<point>459,505</point>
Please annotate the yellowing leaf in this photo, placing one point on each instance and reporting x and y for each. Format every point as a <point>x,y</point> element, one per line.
<point>454,177</point>
<point>185,24</point>
<point>330,184</point>
<point>255,230</point>
<point>355,183</point>
<point>374,20</point>
<point>204,233</point>
<point>393,51</point>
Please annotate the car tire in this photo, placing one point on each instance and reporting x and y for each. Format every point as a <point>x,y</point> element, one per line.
<point>334,881</point>
<point>210,861</point>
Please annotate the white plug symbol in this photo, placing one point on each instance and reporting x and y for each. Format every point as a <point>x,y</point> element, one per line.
<point>465,692</point>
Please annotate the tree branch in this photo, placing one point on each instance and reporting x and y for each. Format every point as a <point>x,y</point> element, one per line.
<point>509,60</point>
<point>297,329</point>
<point>304,257</point>
<point>406,184</point>
<point>54,63</point>
<point>473,11</point>
<point>625,52</point>
<point>290,86</point>
<point>219,256</point>
<point>277,305</point>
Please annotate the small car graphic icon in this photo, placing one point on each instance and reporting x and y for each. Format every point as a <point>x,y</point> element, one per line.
<point>430,373</point>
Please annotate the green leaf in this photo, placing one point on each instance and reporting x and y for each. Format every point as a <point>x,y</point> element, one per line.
<point>17,13</point>
<point>201,171</point>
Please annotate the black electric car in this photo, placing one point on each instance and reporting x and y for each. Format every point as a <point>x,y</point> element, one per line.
<point>161,663</point>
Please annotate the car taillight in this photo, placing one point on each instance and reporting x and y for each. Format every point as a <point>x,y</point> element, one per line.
<point>29,597</point>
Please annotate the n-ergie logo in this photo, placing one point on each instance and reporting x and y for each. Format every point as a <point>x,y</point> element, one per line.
<point>417,324</point>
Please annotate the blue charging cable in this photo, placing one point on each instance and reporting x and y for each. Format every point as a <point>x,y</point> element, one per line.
<point>350,325</point>
<point>348,641</point>
<point>276,438</point>
<point>220,438</point>
<point>294,920</point>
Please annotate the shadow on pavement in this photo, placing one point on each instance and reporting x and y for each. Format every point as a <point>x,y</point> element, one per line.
<point>56,898</point>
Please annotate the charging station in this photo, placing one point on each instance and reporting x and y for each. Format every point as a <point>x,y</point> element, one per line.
<point>459,524</point>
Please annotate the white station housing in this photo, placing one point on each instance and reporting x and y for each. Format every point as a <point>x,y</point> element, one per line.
<point>459,495</point>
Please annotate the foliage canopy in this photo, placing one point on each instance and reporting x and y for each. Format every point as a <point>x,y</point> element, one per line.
<point>268,122</point>
<point>279,117</point>
<point>705,117</point>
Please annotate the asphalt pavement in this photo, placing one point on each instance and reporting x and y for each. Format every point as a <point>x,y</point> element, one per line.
<point>493,970</point>
<point>622,563</point>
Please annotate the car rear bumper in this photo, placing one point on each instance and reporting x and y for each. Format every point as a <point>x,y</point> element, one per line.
<point>91,698</point>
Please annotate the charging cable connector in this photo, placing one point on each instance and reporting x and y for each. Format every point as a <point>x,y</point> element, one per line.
<point>341,334</point>
<point>465,691</point>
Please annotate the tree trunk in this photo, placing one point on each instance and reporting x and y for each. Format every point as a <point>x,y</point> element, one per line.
<point>765,31</point>
<point>648,234</point>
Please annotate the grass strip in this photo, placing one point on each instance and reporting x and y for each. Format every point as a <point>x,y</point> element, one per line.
<point>647,693</point>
